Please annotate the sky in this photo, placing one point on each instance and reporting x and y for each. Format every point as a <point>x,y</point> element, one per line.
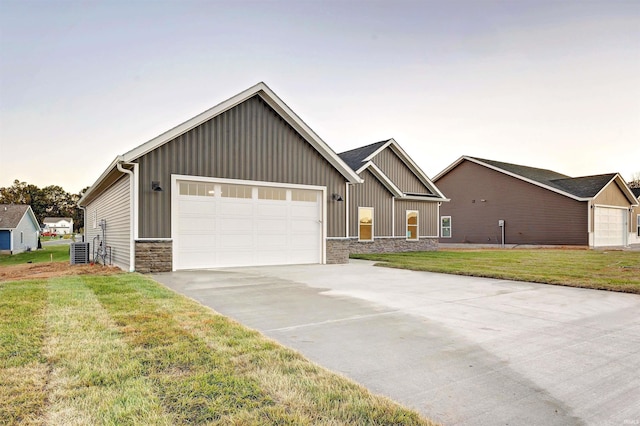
<point>549,84</point>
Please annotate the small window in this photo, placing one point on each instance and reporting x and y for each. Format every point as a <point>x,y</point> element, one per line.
<point>412,224</point>
<point>365,223</point>
<point>638,218</point>
<point>266,193</point>
<point>304,195</point>
<point>21,237</point>
<point>95,219</point>
<point>235,191</point>
<point>445,226</point>
<point>199,189</point>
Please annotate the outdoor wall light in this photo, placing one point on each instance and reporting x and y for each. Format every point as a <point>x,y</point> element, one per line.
<point>336,197</point>
<point>155,186</point>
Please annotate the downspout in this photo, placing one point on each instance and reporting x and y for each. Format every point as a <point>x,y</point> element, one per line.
<point>132,210</point>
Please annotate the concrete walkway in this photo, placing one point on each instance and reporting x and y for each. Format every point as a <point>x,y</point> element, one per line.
<point>461,350</point>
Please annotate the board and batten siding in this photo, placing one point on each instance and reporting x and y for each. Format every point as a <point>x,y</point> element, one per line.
<point>371,193</point>
<point>427,217</point>
<point>612,195</point>
<point>114,206</point>
<point>392,166</point>
<point>533,215</point>
<point>250,142</point>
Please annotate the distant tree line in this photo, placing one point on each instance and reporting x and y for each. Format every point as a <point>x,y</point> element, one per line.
<point>50,201</point>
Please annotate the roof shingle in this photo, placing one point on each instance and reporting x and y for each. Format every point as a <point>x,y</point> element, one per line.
<point>355,157</point>
<point>11,214</point>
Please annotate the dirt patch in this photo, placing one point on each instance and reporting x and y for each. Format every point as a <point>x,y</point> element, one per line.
<point>30,271</point>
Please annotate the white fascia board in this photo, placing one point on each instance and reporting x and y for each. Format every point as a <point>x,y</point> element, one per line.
<point>420,198</point>
<point>531,181</point>
<point>623,187</point>
<point>379,174</point>
<point>100,179</point>
<point>275,102</point>
<point>33,218</point>
<point>449,168</point>
<point>421,175</point>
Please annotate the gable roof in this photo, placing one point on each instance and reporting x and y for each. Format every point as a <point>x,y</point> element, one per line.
<point>355,158</point>
<point>270,98</point>
<point>12,214</point>
<point>636,192</point>
<point>55,219</point>
<point>361,158</point>
<point>581,188</point>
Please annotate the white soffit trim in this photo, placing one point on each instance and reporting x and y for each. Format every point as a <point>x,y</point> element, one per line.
<point>100,179</point>
<point>275,102</point>
<point>623,187</point>
<point>422,176</point>
<point>375,170</point>
<point>514,175</point>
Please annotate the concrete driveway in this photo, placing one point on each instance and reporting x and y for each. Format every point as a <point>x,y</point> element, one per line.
<point>461,350</point>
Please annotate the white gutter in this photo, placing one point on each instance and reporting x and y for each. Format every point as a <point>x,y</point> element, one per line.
<point>133,229</point>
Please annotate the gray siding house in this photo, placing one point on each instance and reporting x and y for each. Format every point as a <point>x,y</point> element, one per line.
<point>533,205</point>
<point>246,182</point>
<point>19,228</point>
<point>396,208</point>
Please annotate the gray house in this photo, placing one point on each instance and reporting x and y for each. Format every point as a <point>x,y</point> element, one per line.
<point>246,182</point>
<point>396,208</point>
<point>19,228</point>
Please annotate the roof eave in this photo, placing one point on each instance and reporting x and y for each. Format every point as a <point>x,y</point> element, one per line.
<point>99,180</point>
<point>623,187</point>
<point>409,162</point>
<point>262,90</point>
<point>525,179</point>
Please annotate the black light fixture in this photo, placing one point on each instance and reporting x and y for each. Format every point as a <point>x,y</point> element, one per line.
<point>336,197</point>
<point>155,186</point>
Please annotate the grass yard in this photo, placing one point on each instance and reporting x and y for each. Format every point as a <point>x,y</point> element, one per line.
<point>123,350</point>
<point>605,270</point>
<point>58,253</point>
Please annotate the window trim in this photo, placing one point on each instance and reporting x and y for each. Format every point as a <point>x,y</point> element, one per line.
<point>372,222</point>
<point>417,225</point>
<point>443,227</point>
<point>638,225</point>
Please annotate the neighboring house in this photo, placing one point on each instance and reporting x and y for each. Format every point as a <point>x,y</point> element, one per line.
<point>534,206</point>
<point>634,219</point>
<point>397,206</point>
<point>19,228</point>
<point>58,225</point>
<point>246,182</point>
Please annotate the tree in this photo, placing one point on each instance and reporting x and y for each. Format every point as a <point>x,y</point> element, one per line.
<point>635,180</point>
<point>50,201</point>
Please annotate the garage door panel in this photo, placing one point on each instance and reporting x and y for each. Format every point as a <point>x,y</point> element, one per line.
<point>270,226</point>
<point>609,227</point>
<point>271,209</point>
<point>226,231</point>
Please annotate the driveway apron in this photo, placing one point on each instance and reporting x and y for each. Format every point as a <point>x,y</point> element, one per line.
<point>460,350</point>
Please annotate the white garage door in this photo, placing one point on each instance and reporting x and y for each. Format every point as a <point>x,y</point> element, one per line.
<point>229,224</point>
<point>609,226</point>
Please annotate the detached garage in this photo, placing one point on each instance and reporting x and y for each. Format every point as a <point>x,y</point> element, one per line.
<point>246,182</point>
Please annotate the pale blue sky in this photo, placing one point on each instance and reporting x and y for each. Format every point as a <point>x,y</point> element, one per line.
<point>552,84</point>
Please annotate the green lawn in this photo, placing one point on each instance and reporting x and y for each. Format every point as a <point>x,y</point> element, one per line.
<point>607,270</point>
<point>123,350</point>
<point>57,253</point>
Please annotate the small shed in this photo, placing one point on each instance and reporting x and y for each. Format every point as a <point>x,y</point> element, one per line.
<point>19,228</point>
